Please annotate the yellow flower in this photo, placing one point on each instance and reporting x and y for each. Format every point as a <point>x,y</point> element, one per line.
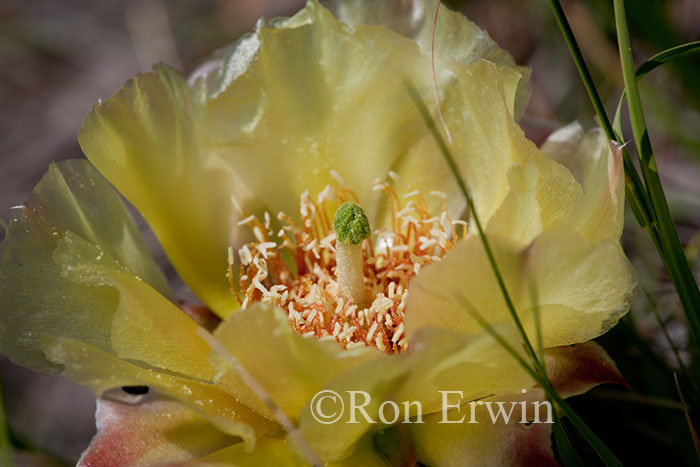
<point>312,109</point>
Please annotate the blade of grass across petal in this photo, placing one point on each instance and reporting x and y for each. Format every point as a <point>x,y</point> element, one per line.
<point>536,371</point>
<point>671,249</point>
<point>420,105</point>
<point>538,326</point>
<point>605,454</point>
<point>566,450</point>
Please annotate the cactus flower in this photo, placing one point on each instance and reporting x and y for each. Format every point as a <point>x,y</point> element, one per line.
<point>239,170</point>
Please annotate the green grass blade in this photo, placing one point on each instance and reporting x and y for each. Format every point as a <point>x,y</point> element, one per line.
<point>582,67</point>
<point>5,446</point>
<point>671,249</point>
<point>538,326</point>
<point>437,136</point>
<point>688,420</point>
<point>634,189</point>
<point>635,192</point>
<point>651,359</point>
<point>662,326</point>
<point>598,446</point>
<point>617,119</point>
<point>564,447</point>
<point>695,391</point>
<point>654,62</point>
<point>668,55</point>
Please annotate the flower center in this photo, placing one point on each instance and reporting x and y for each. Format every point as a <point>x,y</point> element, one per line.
<point>298,268</point>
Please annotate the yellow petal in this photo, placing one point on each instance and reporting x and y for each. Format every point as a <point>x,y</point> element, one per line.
<point>278,452</point>
<point>36,298</point>
<point>477,108</point>
<point>145,140</point>
<point>575,281</point>
<point>434,293</point>
<point>438,361</point>
<point>291,368</point>
<point>341,106</point>
<point>367,386</point>
<point>456,40</point>
<point>365,454</point>
<point>268,452</point>
<point>145,326</point>
<point>179,154</point>
<point>151,430</point>
<point>484,442</point>
<point>541,195</point>
<point>578,282</point>
<point>590,159</point>
<point>574,183</point>
<point>88,366</point>
<point>476,366</point>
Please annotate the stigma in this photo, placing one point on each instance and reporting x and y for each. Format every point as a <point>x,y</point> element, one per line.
<point>337,280</point>
<point>351,228</point>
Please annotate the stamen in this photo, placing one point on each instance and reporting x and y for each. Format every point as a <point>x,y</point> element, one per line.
<point>353,292</point>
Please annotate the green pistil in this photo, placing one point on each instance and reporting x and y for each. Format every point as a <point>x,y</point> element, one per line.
<point>351,228</point>
<point>350,223</point>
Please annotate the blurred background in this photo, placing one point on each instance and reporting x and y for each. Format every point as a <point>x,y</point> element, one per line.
<point>58,57</point>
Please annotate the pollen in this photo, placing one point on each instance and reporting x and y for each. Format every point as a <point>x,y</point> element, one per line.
<point>293,265</point>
